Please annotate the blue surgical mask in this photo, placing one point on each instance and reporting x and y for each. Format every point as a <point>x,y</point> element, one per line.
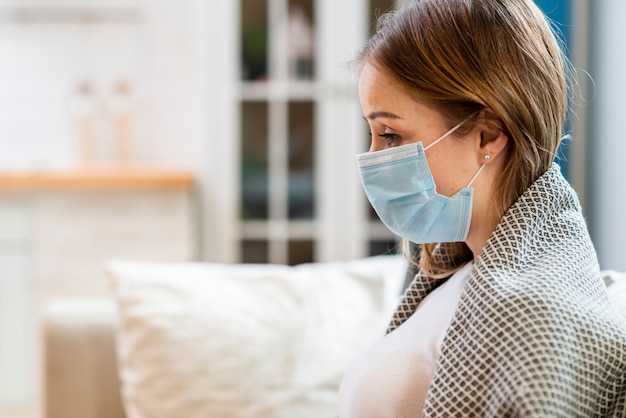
<point>401,188</point>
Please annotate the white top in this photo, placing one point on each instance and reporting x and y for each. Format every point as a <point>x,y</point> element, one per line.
<point>391,378</point>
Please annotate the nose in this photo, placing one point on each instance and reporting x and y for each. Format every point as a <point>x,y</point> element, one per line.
<point>376,146</point>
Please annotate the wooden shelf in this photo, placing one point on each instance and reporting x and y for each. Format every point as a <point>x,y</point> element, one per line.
<point>118,178</point>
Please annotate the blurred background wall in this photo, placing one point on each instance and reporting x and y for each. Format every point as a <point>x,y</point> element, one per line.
<point>51,50</point>
<point>606,147</point>
<point>180,79</point>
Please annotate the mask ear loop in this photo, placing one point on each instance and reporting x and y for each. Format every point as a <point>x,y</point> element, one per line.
<point>475,175</point>
<point>454,128</point>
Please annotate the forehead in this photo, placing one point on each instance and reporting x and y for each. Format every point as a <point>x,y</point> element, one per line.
<point>371,78</point>
<point>379,92</point>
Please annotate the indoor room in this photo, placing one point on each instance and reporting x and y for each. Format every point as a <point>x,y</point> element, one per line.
<point>147,145</point>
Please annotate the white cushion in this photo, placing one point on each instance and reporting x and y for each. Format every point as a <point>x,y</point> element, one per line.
<point>216,340</point>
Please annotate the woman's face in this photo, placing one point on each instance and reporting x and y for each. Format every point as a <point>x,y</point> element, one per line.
<point>395,118</point>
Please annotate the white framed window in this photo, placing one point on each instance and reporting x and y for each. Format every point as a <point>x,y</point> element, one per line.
<point>281,184</point>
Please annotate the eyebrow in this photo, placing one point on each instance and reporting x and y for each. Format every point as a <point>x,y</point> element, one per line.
<point>381,114</point>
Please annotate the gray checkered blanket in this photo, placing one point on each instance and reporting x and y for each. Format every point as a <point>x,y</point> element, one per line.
<point>534,334</point>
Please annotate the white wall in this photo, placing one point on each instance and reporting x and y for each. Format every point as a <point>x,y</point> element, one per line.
<point>606,144</point>
<point>44,56</point>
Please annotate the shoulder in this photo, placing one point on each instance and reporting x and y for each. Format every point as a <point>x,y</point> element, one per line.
<point>531,350</point>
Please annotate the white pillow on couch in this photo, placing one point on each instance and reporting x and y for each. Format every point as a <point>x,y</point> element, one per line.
<point>217,340</point>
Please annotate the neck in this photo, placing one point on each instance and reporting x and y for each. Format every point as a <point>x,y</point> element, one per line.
<point>484,219</point>
<point>479,234</point>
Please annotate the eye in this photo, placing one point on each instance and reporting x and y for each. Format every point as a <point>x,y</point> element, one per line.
<point>392,139</point>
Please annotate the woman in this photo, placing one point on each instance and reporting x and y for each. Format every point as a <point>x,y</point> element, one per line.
<point>508,315</point>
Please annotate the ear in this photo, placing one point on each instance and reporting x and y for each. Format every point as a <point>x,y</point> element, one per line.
<point>493,136</point>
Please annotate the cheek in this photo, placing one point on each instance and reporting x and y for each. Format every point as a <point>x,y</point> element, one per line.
<point>444,182</point>
<point>449,172</point>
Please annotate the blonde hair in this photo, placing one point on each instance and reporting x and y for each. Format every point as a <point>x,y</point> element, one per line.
<point>465,56</point>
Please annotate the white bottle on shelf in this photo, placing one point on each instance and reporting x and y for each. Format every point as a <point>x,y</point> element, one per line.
<point>82,110</point>
<point>121,113</point>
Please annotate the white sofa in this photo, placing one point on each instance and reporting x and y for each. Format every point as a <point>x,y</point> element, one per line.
<point>209,340</point>
<point>80,376</point>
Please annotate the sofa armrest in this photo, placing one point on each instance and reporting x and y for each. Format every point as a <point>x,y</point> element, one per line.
<point>80,377</point>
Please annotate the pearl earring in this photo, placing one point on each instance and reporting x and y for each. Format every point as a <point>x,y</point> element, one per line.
<point>487,156</point>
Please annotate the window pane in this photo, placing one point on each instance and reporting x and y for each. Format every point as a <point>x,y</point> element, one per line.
<point>254,39</point>
<point>254,251</point>
<point>301,252</point>
<point>254,170</point>
<point>301,39</point>
<point>301,150</point>
<point>380,247</point>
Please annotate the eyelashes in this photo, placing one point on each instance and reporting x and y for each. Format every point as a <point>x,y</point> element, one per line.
<point>391,139</point>
<point>384,140</point>
<point>389,136</point>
